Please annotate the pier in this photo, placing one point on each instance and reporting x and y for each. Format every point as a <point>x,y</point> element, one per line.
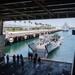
<point>16,36</point>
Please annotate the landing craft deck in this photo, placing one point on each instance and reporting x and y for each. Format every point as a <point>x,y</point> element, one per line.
<point>41,52</point>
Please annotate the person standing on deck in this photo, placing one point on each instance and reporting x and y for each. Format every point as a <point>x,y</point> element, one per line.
<point>17,58</point>
<point>14,60</point>
<point>7,57</point>
<point>21,57</point>
<point>39,60</point>
<point>36,55</point>
<point>31,56</point>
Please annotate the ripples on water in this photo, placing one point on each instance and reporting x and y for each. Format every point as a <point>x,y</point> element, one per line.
<point>64,53</point>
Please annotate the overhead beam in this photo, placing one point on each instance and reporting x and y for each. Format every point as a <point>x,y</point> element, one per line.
<point>64,4</point>
<point>56,9</point>
<point>21,8</point>
<point>16,2</point>
<point>6,18</point>
<point>44,13</point>
<point>50,13</point>
<point>42,17</point>
<point>67,12</point>
<point>59,9</point>
<point>60,12</point>
<point>53,5</point>
<point>38,0</point>
<point>14,18</point>
<point>13,10</point>
<point>17,15</point>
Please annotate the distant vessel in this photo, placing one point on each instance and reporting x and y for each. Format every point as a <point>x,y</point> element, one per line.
<point>65,27</point>
<point>46,43</point>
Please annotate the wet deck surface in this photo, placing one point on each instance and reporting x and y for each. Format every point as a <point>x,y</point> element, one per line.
<point>46,67</point>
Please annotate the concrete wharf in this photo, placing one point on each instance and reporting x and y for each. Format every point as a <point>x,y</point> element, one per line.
<point>22,35</point>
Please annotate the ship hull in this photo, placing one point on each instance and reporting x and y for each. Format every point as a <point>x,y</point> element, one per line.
<point>46,44</point>
<point>50,48</point>
<point>45,47</point>
<point>65,30</point>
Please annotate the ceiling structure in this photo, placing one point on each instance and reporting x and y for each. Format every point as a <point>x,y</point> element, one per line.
<point>36,9</point>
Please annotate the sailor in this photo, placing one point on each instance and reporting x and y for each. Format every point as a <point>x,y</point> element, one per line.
<point>31,56</point>
<point>7,58</point>
<point>21,56</point>
<point>39,60</point>
<point>14,58</point>
<point>17,58</point>
<point>36,55</point>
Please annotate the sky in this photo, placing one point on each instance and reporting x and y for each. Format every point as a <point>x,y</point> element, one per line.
<point>53,22</point>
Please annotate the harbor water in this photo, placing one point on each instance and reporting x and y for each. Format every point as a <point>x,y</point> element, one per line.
<point>64,53</point>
